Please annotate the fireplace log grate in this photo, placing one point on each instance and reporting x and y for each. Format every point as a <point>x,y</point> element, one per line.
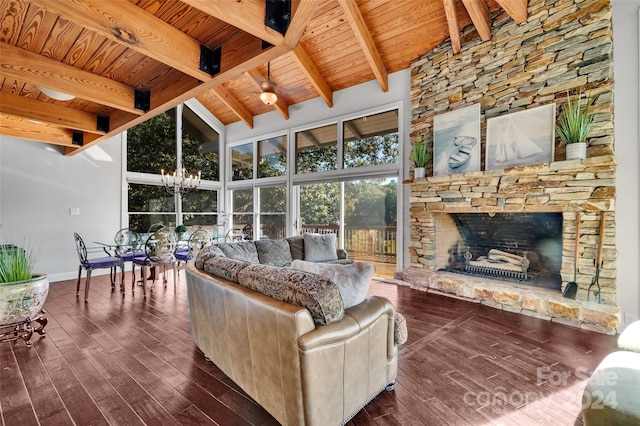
<point>485,271</point>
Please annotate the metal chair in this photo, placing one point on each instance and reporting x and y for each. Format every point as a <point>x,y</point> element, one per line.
<point>111,262</point>
<point>159,252</point>
<point>199,239</point>
<point>128,245</point>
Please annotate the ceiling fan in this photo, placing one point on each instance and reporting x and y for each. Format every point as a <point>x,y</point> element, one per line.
<point>268,89</point>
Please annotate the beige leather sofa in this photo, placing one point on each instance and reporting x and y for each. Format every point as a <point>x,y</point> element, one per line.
<point>300,372</point>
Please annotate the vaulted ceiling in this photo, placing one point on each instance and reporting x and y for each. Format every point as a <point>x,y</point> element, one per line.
<point>128,60</point>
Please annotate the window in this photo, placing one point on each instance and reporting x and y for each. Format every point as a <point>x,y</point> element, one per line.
<point>371,140</point>
<point>200,146</point>
<point>200,208</point>
<point>273,212</point>
<point>272,154</point>
<point>152,146</point>
<point>242,162</point>
<point>149,204</point>
<point>317,149</point>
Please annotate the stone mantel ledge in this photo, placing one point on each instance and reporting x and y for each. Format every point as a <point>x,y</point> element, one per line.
<point>537,302</point>
<point>606,162</point>
<point>573,186</point>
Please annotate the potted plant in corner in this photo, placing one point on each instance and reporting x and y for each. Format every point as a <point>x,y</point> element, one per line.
<point>22,294</point>
<point>574,124</point>
<point>420,156</point>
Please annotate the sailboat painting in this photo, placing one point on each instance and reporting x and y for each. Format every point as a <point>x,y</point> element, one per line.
<point>456,141</point>
<point>521,138</point>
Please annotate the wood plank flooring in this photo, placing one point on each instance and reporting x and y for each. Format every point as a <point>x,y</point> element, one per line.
<point>131,361</point>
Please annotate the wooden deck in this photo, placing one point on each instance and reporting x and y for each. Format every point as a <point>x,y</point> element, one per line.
<point>131,361</point>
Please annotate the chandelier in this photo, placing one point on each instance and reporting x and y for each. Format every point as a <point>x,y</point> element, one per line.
<point>179,182</point>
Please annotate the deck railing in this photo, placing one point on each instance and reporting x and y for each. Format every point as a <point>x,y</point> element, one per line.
<point>362,240</point>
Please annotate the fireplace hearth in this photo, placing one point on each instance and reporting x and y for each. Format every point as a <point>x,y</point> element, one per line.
<point>530,212</point>
<point>520,247</point>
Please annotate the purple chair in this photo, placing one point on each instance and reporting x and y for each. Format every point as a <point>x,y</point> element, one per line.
<point>110,262</point>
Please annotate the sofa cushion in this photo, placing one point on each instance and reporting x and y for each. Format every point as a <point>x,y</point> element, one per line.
<point>274,252</point>
<point>244,250</point>
<point>352,280</point>
<point>296,244</point>
<point>319,247</point>
<point>225,267</point>
<point>317,294</point>
<point>206,254</point>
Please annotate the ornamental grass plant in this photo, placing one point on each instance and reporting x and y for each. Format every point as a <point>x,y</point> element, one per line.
<point>16,263</point>
<point>420,154</point>
<point>575,120</point>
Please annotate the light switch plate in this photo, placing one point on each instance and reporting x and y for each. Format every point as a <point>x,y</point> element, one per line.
<point>74,211</point>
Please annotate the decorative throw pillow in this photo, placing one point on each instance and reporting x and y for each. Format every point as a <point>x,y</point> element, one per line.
<point>273,252</point>
<point>296,244</point>
<point>320,247</point>
<point>244,250</point>
<point>352,280</point>
<point>224,267</point>
<point>206,254</point>
<point>317,294</point>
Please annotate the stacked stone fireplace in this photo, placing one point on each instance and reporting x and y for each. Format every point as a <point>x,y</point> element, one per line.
<point>564,47</point>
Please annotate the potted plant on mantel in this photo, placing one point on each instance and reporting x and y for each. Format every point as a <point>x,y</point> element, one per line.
<point>574,124</point>
<point>22,294</point>
<point>420,156</point>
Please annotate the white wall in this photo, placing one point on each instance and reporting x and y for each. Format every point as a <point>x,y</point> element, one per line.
<point>38,185</point>
<point>626,48</point>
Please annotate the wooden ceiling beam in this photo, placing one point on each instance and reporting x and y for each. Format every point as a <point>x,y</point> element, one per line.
<point>359,27</point>
<point>517,9</point>
<point>302,11</point>
<point>129,25</point>
<point>311,72</point>
<point>454,26</point>
<point>40,132</point>
<point>233,104</point>
<point>246,15</point>
<point>24,65</point>
<point>239,54</point>
<point>32,109</point>
<point>479,14</point>
<point>257,78</point>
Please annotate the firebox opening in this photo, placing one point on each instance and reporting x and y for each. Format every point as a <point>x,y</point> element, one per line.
<point>522,247</point>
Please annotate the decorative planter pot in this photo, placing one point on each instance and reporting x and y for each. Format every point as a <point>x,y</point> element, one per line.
<point>419,173</point>
<point>21,303</point>
<point>577,151</point>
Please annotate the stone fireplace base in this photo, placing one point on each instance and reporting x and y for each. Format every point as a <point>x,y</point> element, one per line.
<point>536,302</point>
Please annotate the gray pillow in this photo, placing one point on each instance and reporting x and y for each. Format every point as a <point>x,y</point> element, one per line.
<point>244,250</point>
<point>274,252</point>
<point>352,280</point>
<point>320,247</point>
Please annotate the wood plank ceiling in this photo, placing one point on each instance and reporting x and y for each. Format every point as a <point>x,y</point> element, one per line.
<point>128,60</point>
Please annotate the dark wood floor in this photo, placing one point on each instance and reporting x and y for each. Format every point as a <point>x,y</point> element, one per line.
<point>132,361</point>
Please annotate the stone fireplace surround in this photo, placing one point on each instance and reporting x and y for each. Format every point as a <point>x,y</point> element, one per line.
<point>564,47</point>
<point>585,186</point>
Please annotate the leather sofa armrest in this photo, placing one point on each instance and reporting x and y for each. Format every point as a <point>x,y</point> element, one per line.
<point>328,334</point>
<point>355,320</point>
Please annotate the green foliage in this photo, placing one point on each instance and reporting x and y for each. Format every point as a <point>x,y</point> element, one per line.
<point>180,229</point>
<point>420,154</point>
<point>16,264</point>
<point>575,121</point>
